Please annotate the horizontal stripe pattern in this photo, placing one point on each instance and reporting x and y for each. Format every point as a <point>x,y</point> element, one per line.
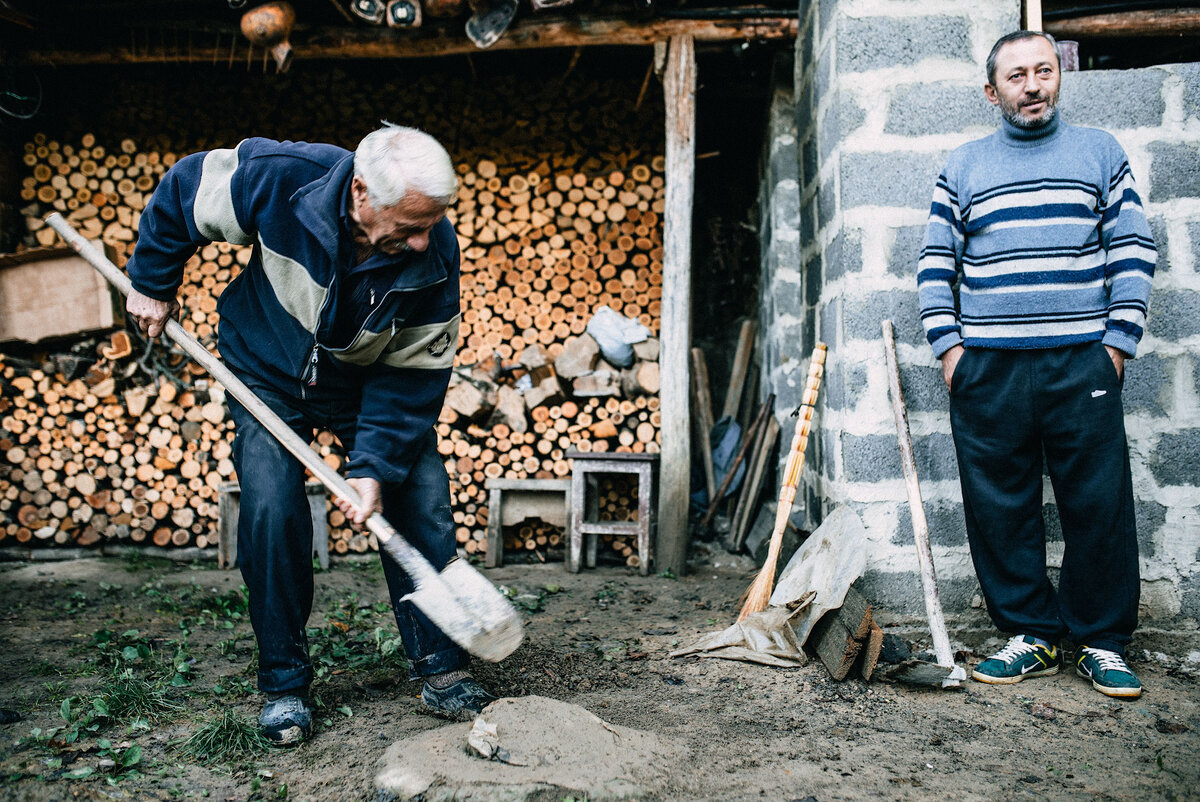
<point>1036,244</point>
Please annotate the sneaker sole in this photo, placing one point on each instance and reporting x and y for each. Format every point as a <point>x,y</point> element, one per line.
<point>990,680</point>
<point>1119,693</point>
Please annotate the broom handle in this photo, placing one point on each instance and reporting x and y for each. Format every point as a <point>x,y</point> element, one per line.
<point>409,558</point>
<point>796,455</point>
<point>933,605</point>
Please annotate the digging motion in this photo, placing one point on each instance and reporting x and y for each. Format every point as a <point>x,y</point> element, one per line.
<point>458,600</point>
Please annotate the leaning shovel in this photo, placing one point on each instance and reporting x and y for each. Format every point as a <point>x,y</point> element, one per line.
<point>945,673</point>
<point>459,600</point>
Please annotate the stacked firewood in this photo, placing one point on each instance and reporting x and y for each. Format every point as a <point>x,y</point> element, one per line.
<point>137,446</point>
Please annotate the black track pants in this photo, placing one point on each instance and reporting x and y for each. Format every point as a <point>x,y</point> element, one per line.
<point>1008,409</point>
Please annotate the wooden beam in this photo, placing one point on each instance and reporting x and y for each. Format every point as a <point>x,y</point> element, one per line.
<point>1033,15</point>
<point>674,473</point>
<point>1163,22</point>
<point>426,42</point>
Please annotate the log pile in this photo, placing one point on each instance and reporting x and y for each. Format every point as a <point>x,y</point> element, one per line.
<point>120,441</point>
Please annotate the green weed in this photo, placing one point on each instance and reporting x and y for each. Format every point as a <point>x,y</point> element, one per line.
<point>225,737</point>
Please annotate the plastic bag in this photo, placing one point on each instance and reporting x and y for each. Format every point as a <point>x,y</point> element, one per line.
<point>616,335</point>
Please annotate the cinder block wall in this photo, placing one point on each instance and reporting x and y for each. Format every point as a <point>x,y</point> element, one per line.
<point>884,90</point>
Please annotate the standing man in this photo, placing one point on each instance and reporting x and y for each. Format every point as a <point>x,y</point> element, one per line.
<point>345,318</point>
<point>1040,229</point>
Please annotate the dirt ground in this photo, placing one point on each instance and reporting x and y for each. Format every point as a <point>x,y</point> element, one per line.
<point>598,640</point>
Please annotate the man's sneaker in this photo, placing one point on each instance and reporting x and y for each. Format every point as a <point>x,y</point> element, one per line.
<point>285,721</point>
<point>1107,671</point>
<point>1020,659</point>
<point>460,700</point>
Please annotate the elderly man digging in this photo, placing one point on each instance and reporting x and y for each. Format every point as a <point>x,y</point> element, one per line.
<point>345,318</point>
<point>1040,229</point>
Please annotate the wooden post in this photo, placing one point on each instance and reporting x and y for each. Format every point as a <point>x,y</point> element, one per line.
<point>679,87</point>
<point>1033,15</point>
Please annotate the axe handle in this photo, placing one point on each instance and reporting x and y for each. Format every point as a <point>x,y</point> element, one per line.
<point>409,558</point>
<point>933,605</point>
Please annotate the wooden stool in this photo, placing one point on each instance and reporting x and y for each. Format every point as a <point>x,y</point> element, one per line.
<point>511,501</point>
<point>230,502</point>
<point>583,514</point>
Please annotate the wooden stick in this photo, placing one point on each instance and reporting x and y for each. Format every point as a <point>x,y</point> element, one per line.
<point>1143,22</point>
<point>747,440</point>
<point>933,605</point>
<point>754,481</point>
<point>759,593</point>
<point>737,376</point>
<point>1033,15</point>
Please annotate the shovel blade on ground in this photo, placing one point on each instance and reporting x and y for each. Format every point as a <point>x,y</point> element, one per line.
<point>471,611</point>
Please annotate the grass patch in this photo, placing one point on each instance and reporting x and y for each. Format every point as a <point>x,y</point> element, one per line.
<point>127,697</point>
<point>225,737</point>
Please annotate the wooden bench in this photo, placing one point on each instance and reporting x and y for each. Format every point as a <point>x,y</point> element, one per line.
<point>511,501</point>
<point>584,523</point>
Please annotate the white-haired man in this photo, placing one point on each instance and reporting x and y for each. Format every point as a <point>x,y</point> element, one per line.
<point>1034,283</point>
<point>346,318</point>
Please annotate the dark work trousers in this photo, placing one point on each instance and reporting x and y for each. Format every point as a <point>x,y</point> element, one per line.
<point>275,538</point>
<point>1008,410</point>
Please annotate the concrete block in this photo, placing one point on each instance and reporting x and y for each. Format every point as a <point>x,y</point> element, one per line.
<point>786,302</point>
<point>809,331</point>
<point>842,117</point>
<point>1174,170</point>
<point>1190,73</point>
<point>805,109</point>
<point>844,386</point>
<point>873,43</point>
<point>825,17</point>
<point>1158,230</point>
<point>1175,460</point>
<point>906,249</point>
<point>1189,595</point>
<point>812,280</point>
<point>1196,372</point>
<point>844,254</point>
<point>823,82</point>
<point>1150,516</point>
<point>830,323</point>
<point>898,179</point>
<point>785,202</point>
<point>946,521</point>
<point>1174,314</point>
<point>809,163</point>
<point>1053,523</point>
<point>901,593</point>
<point>876,457</point>
<point>1193,233</point>
<point>924,388</point>
<point>864,313</point>
<point>930,109</point>
<point>826,203</point>
<point>1147,385</point>
<point>804,48</point>
<point>785,162</point>
<point>1113,99</point>
<point>808,220</point>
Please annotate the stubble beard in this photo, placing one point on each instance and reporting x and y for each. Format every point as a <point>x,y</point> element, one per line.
<point>1013,115</point>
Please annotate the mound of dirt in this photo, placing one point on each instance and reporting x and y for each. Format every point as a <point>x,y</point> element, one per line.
<point>524,748</point>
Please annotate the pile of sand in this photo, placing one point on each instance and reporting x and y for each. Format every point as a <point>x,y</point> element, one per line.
<point>537,745</point>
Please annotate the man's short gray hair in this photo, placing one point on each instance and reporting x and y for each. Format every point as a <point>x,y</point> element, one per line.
<point>1017,36</point>
<point>396,160</point>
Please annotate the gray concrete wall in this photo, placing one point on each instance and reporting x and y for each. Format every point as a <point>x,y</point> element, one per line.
<point>884,90</point>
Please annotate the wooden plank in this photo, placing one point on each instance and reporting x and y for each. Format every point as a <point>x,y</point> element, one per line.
<point>754,481</point>
<point>52,293</point>
<point>679,87</point>
<point>1147,22</point>
<point>703,417</point>
<point>384,43</point>
<point>835,645</point>
<point>871,651</point>
<point>737,376</point>
<point>1033,15</point>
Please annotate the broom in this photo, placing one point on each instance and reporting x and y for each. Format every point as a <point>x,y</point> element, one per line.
<point>759,592</point>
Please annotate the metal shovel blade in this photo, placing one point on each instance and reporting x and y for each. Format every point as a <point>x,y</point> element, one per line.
<point>470,610</point>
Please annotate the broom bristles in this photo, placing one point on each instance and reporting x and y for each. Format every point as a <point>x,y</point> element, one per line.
<point>758,595</point>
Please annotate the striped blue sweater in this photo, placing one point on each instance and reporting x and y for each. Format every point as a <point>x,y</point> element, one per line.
<point>1036,239</point>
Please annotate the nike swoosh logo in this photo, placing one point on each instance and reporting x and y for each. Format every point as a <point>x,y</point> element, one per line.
<point>1098,393</point>
<point>1027,669</point>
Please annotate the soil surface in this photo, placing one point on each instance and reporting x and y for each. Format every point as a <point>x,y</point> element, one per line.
<point>598,640</point>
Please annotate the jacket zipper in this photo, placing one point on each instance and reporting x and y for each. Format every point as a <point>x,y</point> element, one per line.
<point>312,371</point>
